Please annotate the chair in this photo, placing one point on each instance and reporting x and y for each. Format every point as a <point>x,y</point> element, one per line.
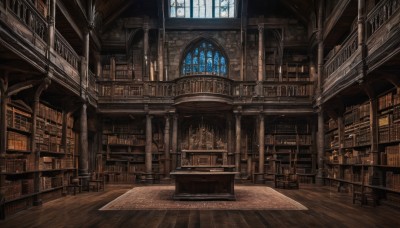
<point>288,180</point>
<point>74,185</point>
<point>97,181</point>
<point>365,194</point>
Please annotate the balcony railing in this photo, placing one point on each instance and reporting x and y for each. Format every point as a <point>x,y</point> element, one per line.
<point>29,16</point>
<point>381,14</point>
<point>64,49</point>
<point>203,84</point>
<point>346,51</point>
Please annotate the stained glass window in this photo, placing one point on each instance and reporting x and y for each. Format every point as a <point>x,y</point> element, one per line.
<point>202,8</point>
<point>204,58</point>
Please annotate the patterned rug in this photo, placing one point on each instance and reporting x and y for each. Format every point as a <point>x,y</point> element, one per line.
<point>160,198</point>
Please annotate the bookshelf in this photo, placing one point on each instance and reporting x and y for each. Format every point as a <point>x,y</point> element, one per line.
<point>345,161</point>
<point>29,176</point>
<point>124,144</point>
<point>288,146</point>
<point>117,68</point>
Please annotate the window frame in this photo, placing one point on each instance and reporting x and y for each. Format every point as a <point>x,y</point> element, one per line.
<point>188,6</point>
<point>205,46</point>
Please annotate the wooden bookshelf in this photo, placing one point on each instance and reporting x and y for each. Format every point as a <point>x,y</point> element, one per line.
<point>288,146</point>
<point>49,165</point>
<point>345,161</point>
<point>123,154</point>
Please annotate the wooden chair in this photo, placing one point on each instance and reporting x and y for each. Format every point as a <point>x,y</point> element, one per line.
<point>97,181</point>
<point>365,194</point>
<point>289,180</point>
<point>74,185</point>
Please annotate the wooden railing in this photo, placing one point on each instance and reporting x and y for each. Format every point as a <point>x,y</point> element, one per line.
<point>244,89</point>
<point>348,48</point>
<point>288,90</point>
<point>65,50</point>
<point>203,84</point>
<point>381,14</point>
<point>29,16</point>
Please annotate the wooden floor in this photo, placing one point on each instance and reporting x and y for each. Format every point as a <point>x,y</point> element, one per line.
<point>326,209</point>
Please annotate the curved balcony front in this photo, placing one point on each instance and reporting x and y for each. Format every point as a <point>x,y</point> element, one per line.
<point>203,92</point>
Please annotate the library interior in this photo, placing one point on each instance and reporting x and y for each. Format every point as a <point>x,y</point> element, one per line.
<point>199,113</point>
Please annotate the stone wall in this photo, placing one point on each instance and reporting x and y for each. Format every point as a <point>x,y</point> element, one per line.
<point>177,41</point>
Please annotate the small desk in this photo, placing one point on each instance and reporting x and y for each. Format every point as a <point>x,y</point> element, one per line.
<point>198,185</point>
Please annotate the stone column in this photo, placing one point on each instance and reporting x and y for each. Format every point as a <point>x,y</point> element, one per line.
<point>260,76</point>
<point>167,161</point>
<point>238,143</point>
<point>149,140</point>
<point>229,146</point>
<point>146,60</point>
<point>320,149</point>
<point>174,141</point>
<point>161,55</point>
<point>261,143</point>
<point>83,139</point>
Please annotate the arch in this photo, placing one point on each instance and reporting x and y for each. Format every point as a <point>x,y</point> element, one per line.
<point>204,56</point>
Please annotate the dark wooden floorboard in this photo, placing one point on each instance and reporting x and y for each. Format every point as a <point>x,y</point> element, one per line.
<point>326,208</point>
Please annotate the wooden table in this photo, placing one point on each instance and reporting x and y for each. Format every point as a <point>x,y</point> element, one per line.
<point>199,185</point>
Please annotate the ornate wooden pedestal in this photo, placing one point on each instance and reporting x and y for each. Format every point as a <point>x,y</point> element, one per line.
<point>198,185</point>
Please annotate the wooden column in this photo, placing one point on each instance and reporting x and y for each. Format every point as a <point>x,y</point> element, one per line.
<point>85,63</point>
<point>229,138</point>
<point>51,22</point>
<point>260,77</point>
<point>320,144</point>
<point>340,132</point>
<point>83,139</point>
<point>3,123</point>
<point>261,143</point>
<point>35,151</point>
<point>320,47</point>
<point>146,60</point>
<point>64,130</point>
<point>167,161</point>
<point>149,140</point>
<point>361,23</point>
<point>174,141</point>
<point>161,55</point>
<point>238,145</point>
<point>373,123</point>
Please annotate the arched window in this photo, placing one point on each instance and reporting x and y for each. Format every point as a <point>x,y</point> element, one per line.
<point>202,8</point>
<point>204,58</point>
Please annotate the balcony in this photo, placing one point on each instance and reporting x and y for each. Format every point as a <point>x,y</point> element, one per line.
<point>383,32</point>
<point>25,30</point>
<point>341,68</point>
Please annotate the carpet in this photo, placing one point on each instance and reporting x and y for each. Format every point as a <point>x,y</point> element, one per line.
<point>160,198</point>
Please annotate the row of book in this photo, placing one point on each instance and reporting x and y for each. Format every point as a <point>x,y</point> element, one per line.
<point>392,155</point>
<point>122,128</point>
<point>16,165</point>
<point>50,114</point>
<point>393,180</point>
<point>124,139</point>
<point>17,141</point>
<point>14,189</point>
<point>51,163</point>
<point>19,119</point>
<point>388,100</point>
<point>356,113</point>
<point>50,182</point>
